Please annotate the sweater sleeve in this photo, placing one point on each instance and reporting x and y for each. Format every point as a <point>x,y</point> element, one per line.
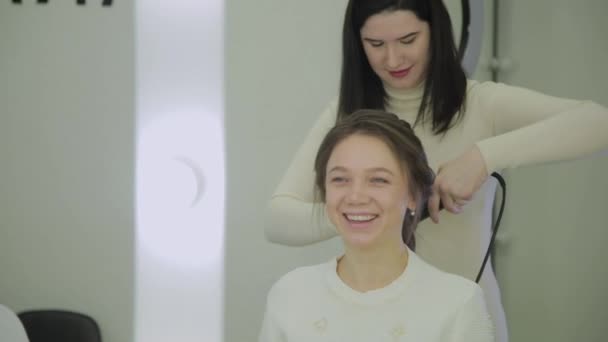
<point>472,322</point>
<point>293,217</point>
<point>530,127</point>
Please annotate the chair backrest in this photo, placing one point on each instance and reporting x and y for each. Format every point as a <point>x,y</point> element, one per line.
<point>59,326</point>
<point>11,328</point>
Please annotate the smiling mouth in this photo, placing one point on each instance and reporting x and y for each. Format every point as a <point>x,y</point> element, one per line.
<point>360,218</point>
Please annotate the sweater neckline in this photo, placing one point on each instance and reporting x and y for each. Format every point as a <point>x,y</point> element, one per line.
<point>406,102</point>
<point>373,297</point>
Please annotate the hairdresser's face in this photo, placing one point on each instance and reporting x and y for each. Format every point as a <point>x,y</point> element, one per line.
<point>396,44</point>
<point>366,192</point>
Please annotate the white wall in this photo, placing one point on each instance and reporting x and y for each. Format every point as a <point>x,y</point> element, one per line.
<point>66,160</point>
<point>282,69</point>
<point>552,245</point>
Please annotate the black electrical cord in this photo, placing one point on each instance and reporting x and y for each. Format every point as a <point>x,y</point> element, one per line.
<point>425,214</point>
<point>503,185</point>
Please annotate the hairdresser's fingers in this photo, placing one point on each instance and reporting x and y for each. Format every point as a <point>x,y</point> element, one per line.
<point>462,191</point>
<point>460,202</point>
<point>433,205</point>
<point>459,179</point>
<point>448,201</point>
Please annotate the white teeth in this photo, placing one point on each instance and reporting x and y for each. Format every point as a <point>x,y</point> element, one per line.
<point>360,218</point>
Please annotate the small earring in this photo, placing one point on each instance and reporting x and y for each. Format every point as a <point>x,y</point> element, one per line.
<point>412,212</point>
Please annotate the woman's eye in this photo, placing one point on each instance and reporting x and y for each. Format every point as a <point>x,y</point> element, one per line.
<point>408,41</point>
<point>376,44</point>
<point>379,180</point>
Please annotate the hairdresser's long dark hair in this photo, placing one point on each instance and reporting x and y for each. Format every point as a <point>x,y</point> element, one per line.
<point>443,100</point>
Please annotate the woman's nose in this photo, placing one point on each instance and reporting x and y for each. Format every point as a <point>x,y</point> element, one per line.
<point>357,194</point>
<point>393,58</point>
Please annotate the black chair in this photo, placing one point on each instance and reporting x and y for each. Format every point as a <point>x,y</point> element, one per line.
<point>59,326</point>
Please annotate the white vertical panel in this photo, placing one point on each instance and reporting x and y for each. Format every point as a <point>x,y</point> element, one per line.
<point>180,171</point>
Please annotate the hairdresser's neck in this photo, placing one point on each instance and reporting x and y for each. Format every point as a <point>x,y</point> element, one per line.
<point>415,91</point>
<point>372,268</point>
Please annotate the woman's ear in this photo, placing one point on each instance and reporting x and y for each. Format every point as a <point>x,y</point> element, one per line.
<point>412,202</point>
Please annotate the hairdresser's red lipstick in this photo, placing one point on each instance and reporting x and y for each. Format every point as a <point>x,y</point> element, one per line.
<point>400,73</point>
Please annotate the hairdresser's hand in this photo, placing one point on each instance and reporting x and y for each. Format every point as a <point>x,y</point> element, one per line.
<point>456,182</point>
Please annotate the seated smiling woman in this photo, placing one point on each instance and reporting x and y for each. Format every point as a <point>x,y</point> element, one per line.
<point>373,177</point>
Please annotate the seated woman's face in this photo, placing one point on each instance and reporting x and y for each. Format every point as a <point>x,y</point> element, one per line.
<point>366,192</point>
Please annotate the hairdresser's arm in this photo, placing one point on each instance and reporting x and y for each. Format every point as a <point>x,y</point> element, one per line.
<point>293,218</point>
<point>532,128</point>
<point>528,128</point>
